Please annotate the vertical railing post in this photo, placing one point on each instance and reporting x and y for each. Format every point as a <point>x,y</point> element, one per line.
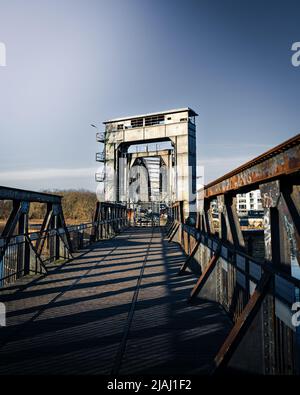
<point>55,227</point>
<point>53,235</point>
<point>270,194</point>
<point>106,222</point>
<point>101,219</point>
<point>56,238</point>
<point>24,248</point>
<point>181,222</point>
<point>114,216</point>
<point>117,220</point>
<point>112,222</point>
<point>230,229</point>
<point>207,217</point>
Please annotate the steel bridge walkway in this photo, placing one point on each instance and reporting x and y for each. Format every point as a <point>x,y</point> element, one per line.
<point>118,308</point>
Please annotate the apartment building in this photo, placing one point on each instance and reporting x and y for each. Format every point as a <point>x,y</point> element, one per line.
<point>248,202</point>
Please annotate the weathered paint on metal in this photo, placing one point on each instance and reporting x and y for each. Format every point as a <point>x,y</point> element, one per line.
<point>242,325</point>
<point>281,160</point>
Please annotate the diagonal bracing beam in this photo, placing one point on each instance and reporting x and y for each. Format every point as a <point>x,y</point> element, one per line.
<point>36,254</point>
<point>205,275</point>
<point>174,232</point>
<point>19,208</point>
<point>242,324</point>
<point>171,227</point>
<point>185,265</point>
<point>44,229</point>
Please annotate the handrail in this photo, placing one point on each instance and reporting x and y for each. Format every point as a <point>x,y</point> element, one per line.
<point>7,193</point>
<point>236,275</point>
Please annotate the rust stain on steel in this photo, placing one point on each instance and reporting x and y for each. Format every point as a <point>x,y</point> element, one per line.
<point>281,160</point>
<point>242,324</point>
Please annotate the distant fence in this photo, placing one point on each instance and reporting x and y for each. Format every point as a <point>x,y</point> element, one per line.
<point>23,252</point>
<point>256,292</point>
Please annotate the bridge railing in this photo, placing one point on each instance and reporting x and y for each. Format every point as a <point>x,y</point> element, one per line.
<point>253,274</point>
<point>24,252</point>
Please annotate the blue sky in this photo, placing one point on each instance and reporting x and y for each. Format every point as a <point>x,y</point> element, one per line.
<point>71,63</point>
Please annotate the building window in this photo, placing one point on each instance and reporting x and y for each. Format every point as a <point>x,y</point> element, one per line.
<point>154,120</point>
<point>120,126</point>
<point>183,119</point>
<point>137,123</point>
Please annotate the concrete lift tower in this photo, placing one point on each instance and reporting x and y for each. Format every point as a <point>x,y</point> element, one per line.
<point>150,157</point>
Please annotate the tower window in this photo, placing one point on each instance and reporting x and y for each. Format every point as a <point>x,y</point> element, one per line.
<point>154,120</point>
<point>137,123</point>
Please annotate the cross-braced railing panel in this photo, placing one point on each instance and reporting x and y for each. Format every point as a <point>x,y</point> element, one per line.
<point>23,252</point>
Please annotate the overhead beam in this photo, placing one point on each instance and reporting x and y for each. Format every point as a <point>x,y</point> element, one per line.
<point>281,160</point>
<point>28,196</point>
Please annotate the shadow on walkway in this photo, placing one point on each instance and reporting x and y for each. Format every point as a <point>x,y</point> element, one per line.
<point>73,320</point>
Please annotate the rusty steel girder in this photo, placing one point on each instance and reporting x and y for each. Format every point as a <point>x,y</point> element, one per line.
<point>281,160</point>
<point>7,193</point>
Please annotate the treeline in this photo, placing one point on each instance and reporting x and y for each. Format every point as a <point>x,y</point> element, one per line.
<point>78,206</point>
